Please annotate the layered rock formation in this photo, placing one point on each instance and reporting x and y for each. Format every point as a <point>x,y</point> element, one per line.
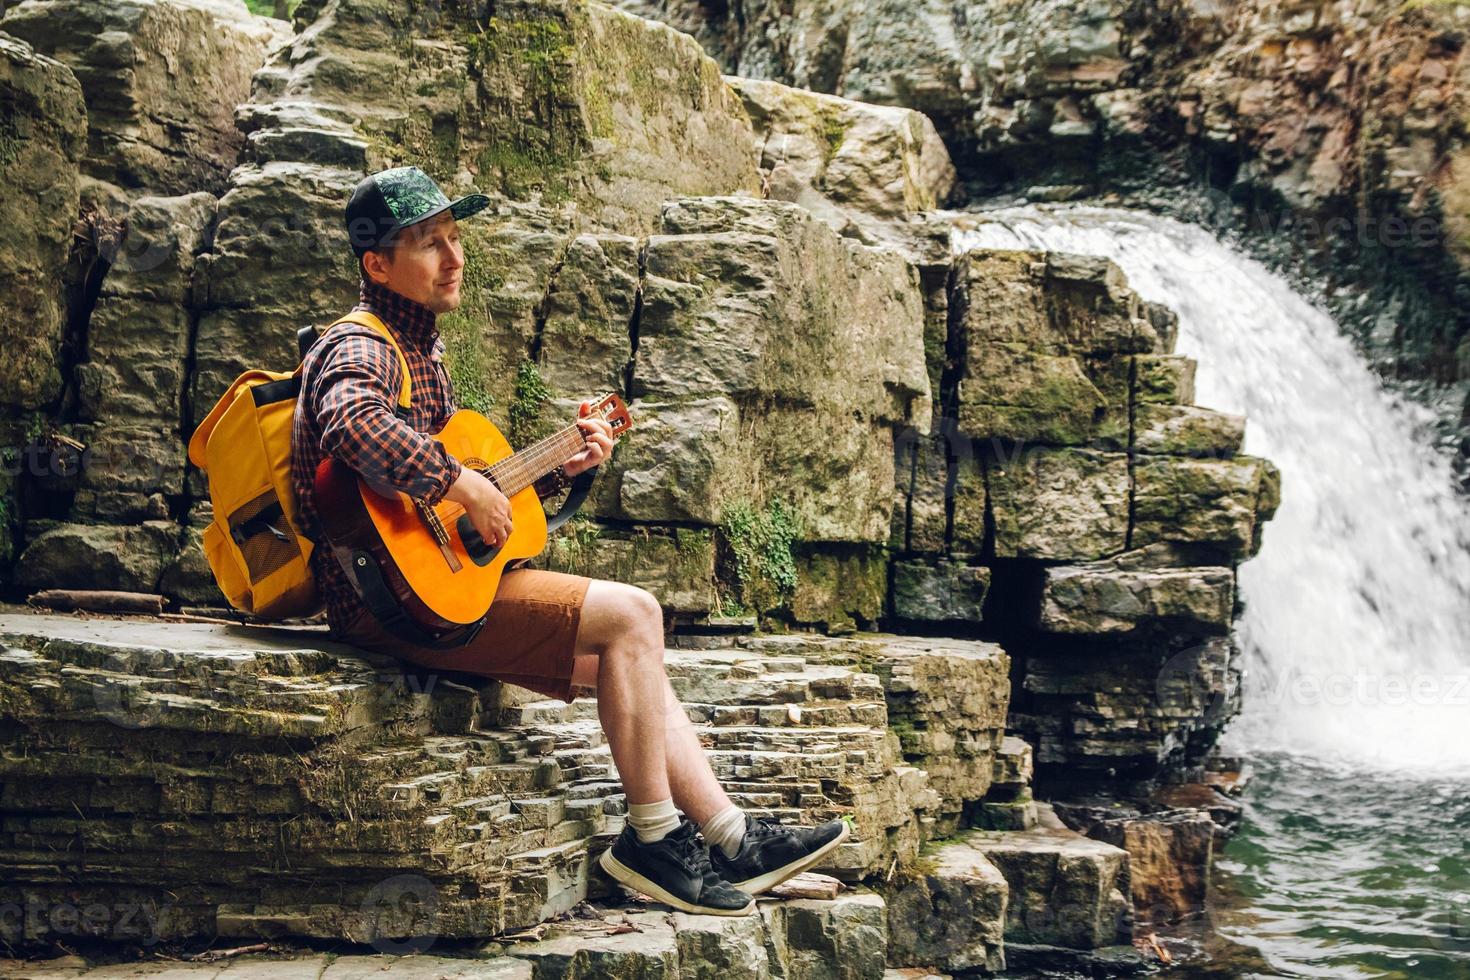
<point>1326,131</point>
<point>251,782</point>
<point>838,427</point>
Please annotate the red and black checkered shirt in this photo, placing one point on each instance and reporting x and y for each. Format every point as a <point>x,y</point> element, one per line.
<point>350,382</point>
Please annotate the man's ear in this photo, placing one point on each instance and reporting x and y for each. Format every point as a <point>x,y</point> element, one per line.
<point>375,266</point>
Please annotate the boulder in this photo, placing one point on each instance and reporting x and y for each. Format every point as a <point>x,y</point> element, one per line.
<point>161,79</point>
<point>950,913</point>
<point>1064,888</point>
<point>42,133</point>
<point>863,169</point>
<point>1099,598</point>
<point>127,558</point>
<point>1169,856</point>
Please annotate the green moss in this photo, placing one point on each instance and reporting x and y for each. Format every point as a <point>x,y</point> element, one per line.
<point>465,353</point>
<point>267,8</point>
<point>528,93</point>
<point>759,544</point>
<point>835,125</point>
<point>573,544</point>
<point>527,404</point>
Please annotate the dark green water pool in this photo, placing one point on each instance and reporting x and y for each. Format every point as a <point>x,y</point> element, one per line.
<point>1342,873</point>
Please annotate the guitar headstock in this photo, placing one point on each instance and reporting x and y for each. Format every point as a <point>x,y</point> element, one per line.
<point>610,409</point>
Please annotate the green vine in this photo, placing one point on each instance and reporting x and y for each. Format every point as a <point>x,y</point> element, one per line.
<point>529,398</point>
<point>760,548</point>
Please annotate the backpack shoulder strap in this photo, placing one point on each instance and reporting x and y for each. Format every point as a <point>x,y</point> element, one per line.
<point>365,319</point>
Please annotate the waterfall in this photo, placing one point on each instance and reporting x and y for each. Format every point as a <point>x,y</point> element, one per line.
<point>1356,628</point>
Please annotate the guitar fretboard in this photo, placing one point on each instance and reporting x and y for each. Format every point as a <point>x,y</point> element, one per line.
<point>515,473</point>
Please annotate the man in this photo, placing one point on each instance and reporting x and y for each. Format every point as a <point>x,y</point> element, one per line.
<point>551,632</point>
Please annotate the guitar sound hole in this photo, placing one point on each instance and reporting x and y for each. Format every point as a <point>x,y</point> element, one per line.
<point>475,546</point>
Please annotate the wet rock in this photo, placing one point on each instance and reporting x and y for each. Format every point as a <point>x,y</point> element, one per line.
<point>1064,888</point>
<point>951,913</point>
<point>1098,598</point>
<point>948,591</point>
<point>1169,855</point>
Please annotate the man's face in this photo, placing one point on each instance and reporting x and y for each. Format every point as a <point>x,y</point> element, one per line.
<point>425,265</point>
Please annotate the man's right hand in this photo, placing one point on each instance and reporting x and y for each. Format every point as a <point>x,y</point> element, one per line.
<point>488,508</point>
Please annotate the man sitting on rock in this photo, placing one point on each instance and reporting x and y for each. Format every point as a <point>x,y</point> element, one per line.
<point>551,632</point>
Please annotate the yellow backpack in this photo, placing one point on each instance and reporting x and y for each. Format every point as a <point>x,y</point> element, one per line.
<point>254,545</point>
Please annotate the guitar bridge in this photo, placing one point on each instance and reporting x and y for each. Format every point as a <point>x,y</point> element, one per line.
<point>439,531</point>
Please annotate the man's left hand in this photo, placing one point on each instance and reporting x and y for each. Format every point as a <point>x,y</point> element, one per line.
<point>599,442</point>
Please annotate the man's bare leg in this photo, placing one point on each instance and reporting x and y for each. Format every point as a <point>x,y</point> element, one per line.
<point>622,633</point>
<point>626,625</point>
<point>688,776</point>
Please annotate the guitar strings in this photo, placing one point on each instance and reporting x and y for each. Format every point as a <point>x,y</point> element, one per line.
<point>521,464</point>
<point>536,455</point>
<point>518,463</point>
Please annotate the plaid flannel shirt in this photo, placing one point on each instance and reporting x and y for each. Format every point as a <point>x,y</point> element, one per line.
<point>350,383</point>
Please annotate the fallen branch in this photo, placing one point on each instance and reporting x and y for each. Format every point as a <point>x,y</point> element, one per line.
<point>210,955</point>
<point>808,885</point>
<point>97,601</point>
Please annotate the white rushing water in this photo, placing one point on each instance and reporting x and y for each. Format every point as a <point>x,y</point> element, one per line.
<point>1356,631</point>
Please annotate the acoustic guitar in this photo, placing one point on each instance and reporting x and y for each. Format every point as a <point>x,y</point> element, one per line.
<point>424,571</point>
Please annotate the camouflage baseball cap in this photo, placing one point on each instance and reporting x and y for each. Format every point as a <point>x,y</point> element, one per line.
<point>386,202</point>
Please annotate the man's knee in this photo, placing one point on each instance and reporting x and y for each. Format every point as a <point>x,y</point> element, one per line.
<point>632,620</point>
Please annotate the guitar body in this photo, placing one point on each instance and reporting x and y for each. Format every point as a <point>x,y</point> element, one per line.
<point>435,594</point>
<point>429,561</point>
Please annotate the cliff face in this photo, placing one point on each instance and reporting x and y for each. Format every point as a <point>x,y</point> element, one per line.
<point>1329,133</point>
<point>839,425</point>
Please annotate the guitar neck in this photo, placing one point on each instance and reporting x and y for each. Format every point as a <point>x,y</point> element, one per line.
<point>520,470</point>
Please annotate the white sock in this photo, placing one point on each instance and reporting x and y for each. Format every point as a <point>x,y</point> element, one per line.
<point>652,821</point>
<point>727,829</point>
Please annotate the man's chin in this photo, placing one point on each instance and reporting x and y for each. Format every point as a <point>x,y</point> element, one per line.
<point>446,302</point>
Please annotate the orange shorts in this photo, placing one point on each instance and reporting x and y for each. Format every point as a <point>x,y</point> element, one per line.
<point>528,640</point>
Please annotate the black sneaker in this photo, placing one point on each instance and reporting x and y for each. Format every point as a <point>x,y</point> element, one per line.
<point>770,853</point>
<point>676,871</point>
